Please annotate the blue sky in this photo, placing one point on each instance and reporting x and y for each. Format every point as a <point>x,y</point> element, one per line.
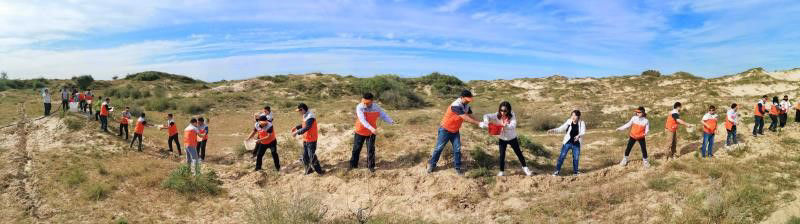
<point>472,39</point>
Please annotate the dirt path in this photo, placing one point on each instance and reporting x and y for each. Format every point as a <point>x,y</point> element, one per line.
<point>22,184</point>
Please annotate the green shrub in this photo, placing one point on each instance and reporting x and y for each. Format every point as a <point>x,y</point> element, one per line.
<point>662,184</point>
<point>401,99</point>
<point>271,209</point>
<point>443,85</point>
<point>535,148</point>
<point>160,104</point>
<point>83,81</point>
<point>74,124</point>
<point>182,180</point>
<point>97,191</point>
<point>155,75</point>
<point>196,107</point>
<point>480,172</point>
<point>73,176</point>
<point>651,73</point>
<point>275,78</point>
<point>390,90</point>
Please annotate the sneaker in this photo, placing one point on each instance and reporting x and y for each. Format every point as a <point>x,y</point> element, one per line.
<point>372,170</point>
<point>500,174</point>
<point>527,171</point>
<point>460,172</point>
<point>555,174</point>
<point>576,174</point>
<point>430,169</point>
<point>646,164</point>
<point>623,162</point>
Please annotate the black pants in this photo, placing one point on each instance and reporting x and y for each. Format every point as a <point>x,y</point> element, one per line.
<point>64,105</point>
<point>89,106</point>
<point>123,127</point>
<point>758,127</point>
<point>773,125</point>
<point>97,115</point>
<point>137,136</point>
<point>358,143</point>
<point>262,149</point>
<point>201,149</point>
<point>514,146</point>
<point>642,144</point>
<point>104,123</point>
<point>783,118</point>
<point>310,157</point>
<point>174,138</point>
<point>797,116</point>
<point>47,109</point>
<point>82,105</point>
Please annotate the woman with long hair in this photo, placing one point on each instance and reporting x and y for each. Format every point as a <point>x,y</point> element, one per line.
<point>506,120</point>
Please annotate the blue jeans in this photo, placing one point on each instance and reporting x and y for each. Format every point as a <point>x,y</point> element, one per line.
<point>758,127</point>
<point>708,144</point>
<point>731,137</point>
<point>576,155</point>
<point>444,137</point>
<point>191,154</point>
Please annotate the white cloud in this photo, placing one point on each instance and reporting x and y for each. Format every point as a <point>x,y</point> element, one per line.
<point>452,5</point>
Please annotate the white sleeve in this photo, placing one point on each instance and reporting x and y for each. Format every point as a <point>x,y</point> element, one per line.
<point>362,119</point>
<point>627,125</point>
<point>646,126</point>
<point>563,127</point>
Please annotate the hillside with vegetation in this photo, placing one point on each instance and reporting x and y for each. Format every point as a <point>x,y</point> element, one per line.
<point>61,168</point>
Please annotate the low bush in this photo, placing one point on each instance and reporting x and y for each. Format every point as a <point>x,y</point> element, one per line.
<point>74,124</point>
<point>182,181</point>
<point>535,148</point>
<point>160,104</point>
<point>97,191</point>
<point>300,209</point>
<point>196,107</point>
<point>73,176</point>
<point>390,90</point>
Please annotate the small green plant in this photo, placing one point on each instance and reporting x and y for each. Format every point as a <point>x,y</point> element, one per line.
<point>121,220</point>
<point>793,220</point>
<point>482,159</point>
<point>182,180</point>
<point>662,184</point>
<point>73,176</point>
<point>97,191</point>
<point>535,148</point>
<point>300,209</point>
<point>74,124</point>
<point>101,169</point>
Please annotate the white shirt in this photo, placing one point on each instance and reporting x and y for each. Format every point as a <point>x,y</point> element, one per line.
<point>567,126</point>
<point>731,116</point>
<point>785,105</point>
<point>509,131</point>
<point>361,108</point>
<point>46,97</point>
<point>638,121</point>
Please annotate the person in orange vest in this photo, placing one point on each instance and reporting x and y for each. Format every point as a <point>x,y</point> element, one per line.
<point>266,113</point>
<point>784,112</point>
<point>640,127</point>
<point>758,116</point>
<point>309,131</point>
<point>730,125</point>
<point>673,120</point>
<point>138,131</point>
<point>125,118</point>
<point>104,109</point>
<point>455,114</point>
<point>709,130</point>
<point>89,100</point>
<point>191,136</point>
<point>774,110</point>
<point>81,102</point>
<point>172,134</point>
<point>367,114</point>
<point>266,139</point>
<point>201,146</point>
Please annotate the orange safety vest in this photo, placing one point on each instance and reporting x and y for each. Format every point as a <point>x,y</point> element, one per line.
<point>451,121</point>
<point>311,134</point>
<point>172,130</point>
<point>757,112</point>
<point>773,110</point>
<point>89,97</point>
<point>139,128</point>
<point>81,97</point>
<point>262,133</point>
<point>123,120</point>
<point>637,131</point>
<point>728,124</point>
<point>712,126</point>
<point>203,131</point>
<point>372,119</point>
<point>190,137</point>
<point>672,124</point>
<point>104,110</point>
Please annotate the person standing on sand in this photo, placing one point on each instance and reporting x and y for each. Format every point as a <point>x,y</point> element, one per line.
<point>266,139</point>
<point>758,116</point>
<point>125,118</point>
<point>89,100</point>
<point>640,127</point>
<point>64,99</point>
<point>784,112</point>
<point>507,121</point>
<point>456,113</point>
<point>709,122</point>
<point>266,113</point>
<point>575,129</point>
<point>774,111</point>
<point>308,128</point>
<point>46,100</point>
<point>673,121</point>
<point>105,108</point>
<point>191,134</point>
<point>138,131</point>
<point>730,125</point>
<point>172,133</point>
<point>202,125</point>
<point>366,128</point>
<point>797,113</point>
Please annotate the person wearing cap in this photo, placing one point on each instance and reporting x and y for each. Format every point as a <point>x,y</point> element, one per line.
<point>758,116</point>
<point>105,108</point>
<point>455,114</point>
<point>367,114</point>
<point>266,113</point>
<point>46,100</point>
<point>172,133</point>
<point>202,125</point>
<point>266,139</point>
<point>640,127</point>
<point>673,121</point>
<point>308,128</point>
<point>507,121</point>
<point>709,122</point>
<point>125,118</point>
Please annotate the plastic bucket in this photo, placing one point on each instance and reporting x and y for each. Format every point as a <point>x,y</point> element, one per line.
<point>73,107</point>
<point>495,129</point>
<point>250,144</point>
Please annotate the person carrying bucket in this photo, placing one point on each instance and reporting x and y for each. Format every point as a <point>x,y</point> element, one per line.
<point>503,124</point>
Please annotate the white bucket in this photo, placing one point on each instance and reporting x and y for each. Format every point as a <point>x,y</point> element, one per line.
<point>73,107</point>
<point>249,144</point>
